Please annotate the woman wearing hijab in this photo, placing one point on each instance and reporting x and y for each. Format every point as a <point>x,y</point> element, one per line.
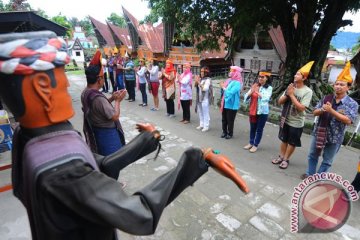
<point>258,98</point>
<point>185,94</point>
<point>230,100</point>
<point>204,97</point>
<point>168,86</point>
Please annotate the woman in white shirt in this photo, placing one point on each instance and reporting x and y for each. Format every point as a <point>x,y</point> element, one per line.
<point>185,82</point>
<point>204,97</point>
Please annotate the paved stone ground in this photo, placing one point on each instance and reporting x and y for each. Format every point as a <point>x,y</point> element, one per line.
<point>213,208</point>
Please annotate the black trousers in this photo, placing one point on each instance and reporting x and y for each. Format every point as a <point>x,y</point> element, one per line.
<point>356,182</point>
<point>130,87</point>
<point>228,118</point>
<point>106,84</point>
<point>112,80</point>
<point>185,105</point>
<point>170,106</point>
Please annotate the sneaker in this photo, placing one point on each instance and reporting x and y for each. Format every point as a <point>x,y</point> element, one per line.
<point>171,115</point>
<point>182,121</point>
<point>253,149</point>
<point>199,127</point>
<point>247,147</point>
<point>205,129</point>
<point>131,100</point>
<point>144,105</point>
<point>228,136</point>
<point>186,122</point>
<point>167,114</point>
<point>223,135</point>
<point>141,104</point>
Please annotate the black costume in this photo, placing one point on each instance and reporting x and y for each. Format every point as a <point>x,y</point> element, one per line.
<point>72,200</point>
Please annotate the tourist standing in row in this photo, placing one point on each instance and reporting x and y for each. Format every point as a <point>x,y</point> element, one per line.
<point>168,87</point>
<point>119,69</point>
<point>258,98</point>
<point>204,97</point>
<point>142,82</point>
<point>295,99</point>
<point>154,84</point>
<point>105,69</point>
<point>230,100</point>
<point>185,93</point>
<point>335,112</point>
<point>111,71</point>
<point>130,78</point>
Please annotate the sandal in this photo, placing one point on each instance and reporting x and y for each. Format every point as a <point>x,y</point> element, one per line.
<point>284,164</point>
<point>277,160</point>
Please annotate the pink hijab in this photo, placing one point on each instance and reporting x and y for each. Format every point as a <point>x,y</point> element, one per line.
<point>234,75</point>
<point>186,72</point>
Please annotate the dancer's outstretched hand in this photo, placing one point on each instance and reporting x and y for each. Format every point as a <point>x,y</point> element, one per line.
<point>147,127</point>
<point>225,167</point>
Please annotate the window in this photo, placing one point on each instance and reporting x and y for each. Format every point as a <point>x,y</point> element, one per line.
<point>255,64</point>
<point>242,63</point>
<point>77,53</point>
<point>269,65</point>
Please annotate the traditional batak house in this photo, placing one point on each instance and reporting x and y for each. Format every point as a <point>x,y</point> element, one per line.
<point>265,50</point>
<point>122,38</point>
<point>146,39</point>
<point>111,38</point>
<point>76,51</point>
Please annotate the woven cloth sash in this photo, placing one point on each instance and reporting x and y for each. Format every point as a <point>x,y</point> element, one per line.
<point>323,123</point>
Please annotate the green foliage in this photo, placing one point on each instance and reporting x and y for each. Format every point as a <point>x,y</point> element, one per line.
<point>62,21</point>
<point>326,89</point>
<point>117,20</point>
<point>332,48</point>
<point>87,27</point>
<point>356,48</point>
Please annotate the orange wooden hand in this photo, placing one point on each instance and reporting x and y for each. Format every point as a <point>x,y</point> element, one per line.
<point>225,167</point>
<point>148,127</point>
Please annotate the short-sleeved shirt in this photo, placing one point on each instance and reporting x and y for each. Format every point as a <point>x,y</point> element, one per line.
<point>130,73</point>
<point>296,118</point>
<point>336,130</point>
<point>101,113</point>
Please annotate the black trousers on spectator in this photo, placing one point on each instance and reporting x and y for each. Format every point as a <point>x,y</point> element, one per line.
<point>356,182</point>
<point>170,106</point>
<point>143,92</point>
<point>112,80</point>
<point>185,105</point>
<point>1,106</point>
<point>130,87</point>
<point>228,118</point>
<point>106,84</point>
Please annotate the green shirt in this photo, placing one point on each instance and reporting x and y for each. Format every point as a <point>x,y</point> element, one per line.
<point>295,117</point>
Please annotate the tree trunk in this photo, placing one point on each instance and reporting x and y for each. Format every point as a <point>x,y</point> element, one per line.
<point>311,47</point>
<point>298,42</point>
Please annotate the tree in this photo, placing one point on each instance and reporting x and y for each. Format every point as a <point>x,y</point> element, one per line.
<point>87,26</point>
<point>356,48</point>
<point>307,38</point>
<point>62,20</point>
<point>19,5</point>
<point>117,20</point>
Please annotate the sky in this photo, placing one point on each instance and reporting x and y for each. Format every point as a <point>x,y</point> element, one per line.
<point>102,9</point>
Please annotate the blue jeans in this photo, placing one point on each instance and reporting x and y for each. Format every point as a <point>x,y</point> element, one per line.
<point>328,154</point>
<point>143,92</point>
<point>107,140</point>
<point>120,81</point>
<point>257,129</point>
